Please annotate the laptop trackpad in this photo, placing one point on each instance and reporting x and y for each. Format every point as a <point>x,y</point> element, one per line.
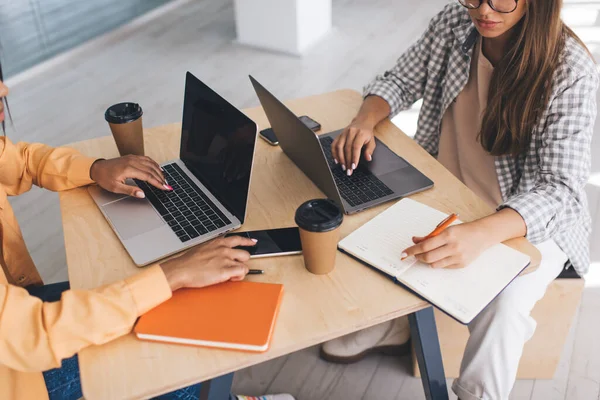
<point>131,217</point>
<point>384,161</point>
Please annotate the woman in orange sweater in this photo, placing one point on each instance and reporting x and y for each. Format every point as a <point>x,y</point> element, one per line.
<point>41,327</point>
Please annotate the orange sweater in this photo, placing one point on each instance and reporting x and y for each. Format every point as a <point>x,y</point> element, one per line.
<point>36,336</point>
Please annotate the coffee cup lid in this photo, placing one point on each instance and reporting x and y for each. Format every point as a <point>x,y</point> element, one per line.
<point>319,215</point>
<point>123,112</point>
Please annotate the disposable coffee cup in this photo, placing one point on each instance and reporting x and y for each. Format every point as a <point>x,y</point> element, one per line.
<point>319,221</point>
<point>125,121</point>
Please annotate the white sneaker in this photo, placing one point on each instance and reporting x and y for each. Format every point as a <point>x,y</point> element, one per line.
<point>283,396</point>
<point>392,338</point>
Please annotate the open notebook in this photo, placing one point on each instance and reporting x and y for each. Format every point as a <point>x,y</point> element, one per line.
<point>231,315</point>
<point>460,293</point>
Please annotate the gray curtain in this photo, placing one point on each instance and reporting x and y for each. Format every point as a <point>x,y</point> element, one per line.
<point>32,31</point>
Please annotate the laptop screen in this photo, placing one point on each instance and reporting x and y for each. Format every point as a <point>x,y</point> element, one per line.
<point>217,145</point>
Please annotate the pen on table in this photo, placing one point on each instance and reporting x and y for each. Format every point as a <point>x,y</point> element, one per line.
<point>446,222</point>
<point>256,272</point>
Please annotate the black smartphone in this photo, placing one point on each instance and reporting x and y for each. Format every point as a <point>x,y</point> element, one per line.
<point>269,136</point>
<point>272,242</point>
<point>311,123</point>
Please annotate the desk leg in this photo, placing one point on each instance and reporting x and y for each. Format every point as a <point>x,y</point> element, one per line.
<point>217,388</point>
<point>427,348</point>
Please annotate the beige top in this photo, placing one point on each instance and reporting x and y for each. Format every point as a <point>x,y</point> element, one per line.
<point>460,151</point>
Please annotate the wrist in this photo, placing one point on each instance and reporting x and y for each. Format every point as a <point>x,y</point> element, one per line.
<point>365,120</point>
<point>94,168</point>
<point>500,226</point>
<point>173,275</point>
<point>485,229</point>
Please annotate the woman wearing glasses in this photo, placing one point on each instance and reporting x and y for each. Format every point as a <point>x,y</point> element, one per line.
<point>508,107</point>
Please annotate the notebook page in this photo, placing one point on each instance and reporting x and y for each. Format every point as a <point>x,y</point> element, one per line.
<point>464,293</point>
<point>380,242</point>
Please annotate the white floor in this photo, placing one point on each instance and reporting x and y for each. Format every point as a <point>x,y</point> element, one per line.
<point>146,62</point>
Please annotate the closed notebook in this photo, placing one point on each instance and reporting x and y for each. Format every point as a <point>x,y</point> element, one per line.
<point>461,293</point>
<point>231,315</point>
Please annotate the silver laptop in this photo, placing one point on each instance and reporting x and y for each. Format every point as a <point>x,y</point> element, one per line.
<point>385,178</point>
<point>210,179</point>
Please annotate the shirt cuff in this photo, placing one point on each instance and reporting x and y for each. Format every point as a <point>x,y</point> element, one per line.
<point>532,214</point>
<point>79,170</point>
<point>386,91</point>
<point>149,288</point>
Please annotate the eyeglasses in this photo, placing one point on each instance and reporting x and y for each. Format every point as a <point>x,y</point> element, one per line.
<point>501,6</point>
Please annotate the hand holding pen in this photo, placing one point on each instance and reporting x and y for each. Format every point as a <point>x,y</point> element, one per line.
<point>446,222</point>
<point>448,246</point>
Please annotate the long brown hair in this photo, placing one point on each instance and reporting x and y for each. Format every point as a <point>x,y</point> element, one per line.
<point>521,83</point>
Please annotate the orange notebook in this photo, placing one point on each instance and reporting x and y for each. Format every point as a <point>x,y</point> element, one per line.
<point>231,315</point>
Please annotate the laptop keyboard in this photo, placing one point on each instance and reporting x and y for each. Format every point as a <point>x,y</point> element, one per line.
<point>359,188</point>
<point>187,210</point>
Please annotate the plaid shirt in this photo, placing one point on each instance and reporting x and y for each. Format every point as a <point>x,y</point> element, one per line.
<point>544,184</point>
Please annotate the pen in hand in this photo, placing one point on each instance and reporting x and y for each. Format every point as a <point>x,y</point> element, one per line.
<point>446,222</point>
<point>256,272</point>
<point>442,226</point>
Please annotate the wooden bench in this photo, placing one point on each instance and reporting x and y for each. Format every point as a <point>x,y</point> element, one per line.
<point>554,314</point>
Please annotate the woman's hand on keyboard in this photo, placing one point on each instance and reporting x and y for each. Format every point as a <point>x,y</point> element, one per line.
<point>347,147</point>
<point>209,263</point>
<point>111,174</point>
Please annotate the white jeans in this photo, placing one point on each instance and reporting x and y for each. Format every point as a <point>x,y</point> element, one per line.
<point>498,334</point>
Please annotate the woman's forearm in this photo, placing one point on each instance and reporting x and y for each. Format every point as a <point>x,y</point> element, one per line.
<point>502,225</point>
<point>374,109</point>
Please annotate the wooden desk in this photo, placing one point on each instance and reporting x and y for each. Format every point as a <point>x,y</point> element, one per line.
<point>314,309</point>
